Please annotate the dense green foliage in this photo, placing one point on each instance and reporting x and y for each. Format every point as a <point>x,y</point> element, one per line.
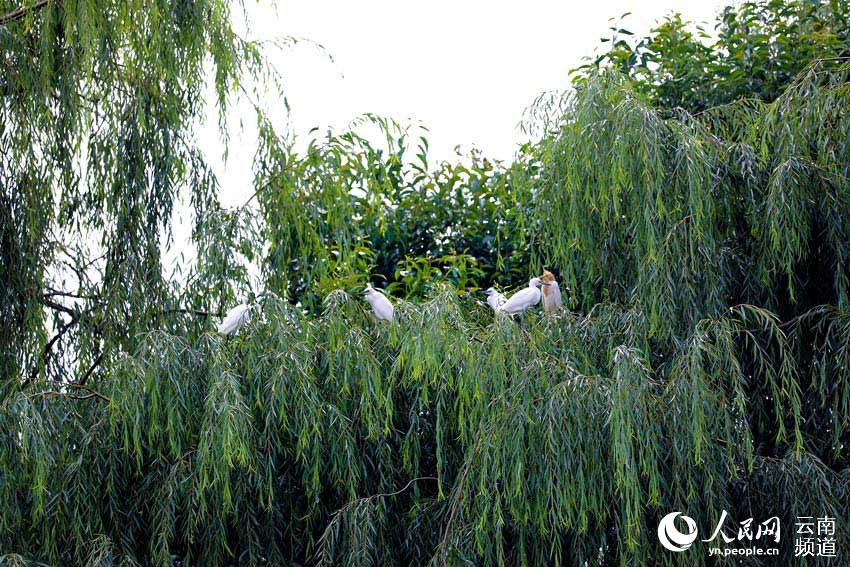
<point>758,48</point>
<point>377,208</point>
<point>704,364</point>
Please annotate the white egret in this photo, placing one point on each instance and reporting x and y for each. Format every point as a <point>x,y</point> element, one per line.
<point>495,299</point>
<point>381,306</point>
<point>551,293</point>
<point>236,318</point>
<point>524,298</point>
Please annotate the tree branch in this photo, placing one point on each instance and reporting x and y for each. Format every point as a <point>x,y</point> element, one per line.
<point>323,540</point>
<point>59,307</point>
<point>256,193</point>
<point>91,392</point>
<point>21,12</point>
<point>197,312</point>
<point>359,501</point>
<point>75,318</point>
<point>60,293</point>
<point>91,369</point>
<point>49,345</point>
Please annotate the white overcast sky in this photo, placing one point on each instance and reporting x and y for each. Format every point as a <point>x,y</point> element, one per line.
<point>465,68</point>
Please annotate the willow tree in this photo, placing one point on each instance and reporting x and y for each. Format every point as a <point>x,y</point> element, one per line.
<point>702,367</point>
<point>98,105</point>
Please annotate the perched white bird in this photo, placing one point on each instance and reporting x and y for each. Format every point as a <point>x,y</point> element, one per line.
<point>551,293</point>
<point>381,306</point>
<point>524,298</point>
<point>236,318</point>
<point>495,299</point>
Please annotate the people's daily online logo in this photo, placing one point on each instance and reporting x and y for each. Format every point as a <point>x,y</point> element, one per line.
<point>670,536</point>
<point>678,532</point>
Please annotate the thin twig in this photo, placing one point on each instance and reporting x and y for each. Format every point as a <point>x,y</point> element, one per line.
<point>197,312</point>
<point>256,193</point>
<point>60,293</point>
<point>91,391</point>
<point>365,499</point>
<point>456,496</point>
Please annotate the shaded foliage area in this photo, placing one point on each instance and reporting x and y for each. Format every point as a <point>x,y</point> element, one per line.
<point>703,364</point>
<point>335,440</point>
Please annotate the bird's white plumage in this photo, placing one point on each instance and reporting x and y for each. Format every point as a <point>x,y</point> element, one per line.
<point>552,297</point>
<point>235,319</point>
<point>381,306</point>
<point>495,299</point>
<point>524,298</point>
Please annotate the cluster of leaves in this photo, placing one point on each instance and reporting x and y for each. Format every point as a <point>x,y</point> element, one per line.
<point>348,207</point>
<point>757,49</point>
